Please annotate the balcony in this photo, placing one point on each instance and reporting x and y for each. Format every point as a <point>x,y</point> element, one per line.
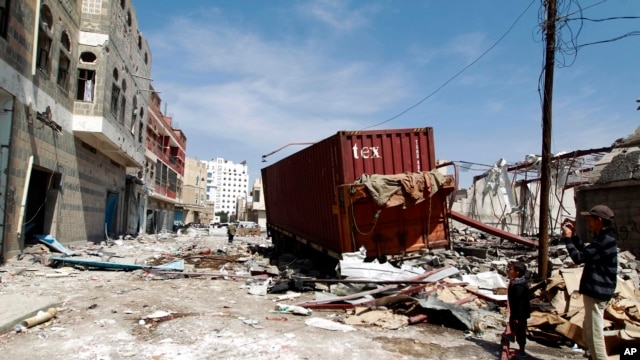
<point>108,139</point>
<point>161,190</point>
<point>172,159</point>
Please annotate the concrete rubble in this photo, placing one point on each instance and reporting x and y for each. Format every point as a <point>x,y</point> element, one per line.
<point>463,288</point>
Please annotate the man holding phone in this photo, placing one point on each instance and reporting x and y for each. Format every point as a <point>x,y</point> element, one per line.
<point>599,276</point>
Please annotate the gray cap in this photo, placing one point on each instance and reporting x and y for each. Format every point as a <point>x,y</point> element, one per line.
<point>601,211</point>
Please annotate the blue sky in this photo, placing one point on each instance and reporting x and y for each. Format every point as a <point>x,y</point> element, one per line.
<point>242,78</point>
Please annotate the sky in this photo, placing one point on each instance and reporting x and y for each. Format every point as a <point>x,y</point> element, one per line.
<point>243,78</point>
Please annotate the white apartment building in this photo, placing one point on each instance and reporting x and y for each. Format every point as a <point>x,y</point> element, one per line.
<point>226,183</point>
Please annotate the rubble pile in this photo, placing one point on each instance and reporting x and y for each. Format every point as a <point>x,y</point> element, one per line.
<point>463,288</point>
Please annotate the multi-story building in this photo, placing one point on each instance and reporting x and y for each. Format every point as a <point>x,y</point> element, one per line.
<point>227,183</point>
<point>194,206</point>
<point>163,171</point>
<point>257,210</point>
<point>73,76</point>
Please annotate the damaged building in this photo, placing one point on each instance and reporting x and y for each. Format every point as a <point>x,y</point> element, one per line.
<point>507,197</point>
<point>164,169</point>
<point>74,89</point>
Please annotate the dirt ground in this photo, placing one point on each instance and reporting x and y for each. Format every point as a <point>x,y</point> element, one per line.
<point>135,315</point>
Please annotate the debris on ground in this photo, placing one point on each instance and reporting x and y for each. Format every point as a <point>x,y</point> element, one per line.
<point>463,288</point>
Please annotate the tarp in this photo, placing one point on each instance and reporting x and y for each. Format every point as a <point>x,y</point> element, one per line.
<point>175,265</point>
<point>54,244</point>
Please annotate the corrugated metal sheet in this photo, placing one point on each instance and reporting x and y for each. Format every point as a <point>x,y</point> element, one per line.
<point>301,189</point>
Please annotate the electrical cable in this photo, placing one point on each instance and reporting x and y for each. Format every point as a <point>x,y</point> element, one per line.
<point>458,73</point>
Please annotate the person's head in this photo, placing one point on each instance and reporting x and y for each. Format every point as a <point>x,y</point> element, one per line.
<point>598,217</point>
<point>516,269</point>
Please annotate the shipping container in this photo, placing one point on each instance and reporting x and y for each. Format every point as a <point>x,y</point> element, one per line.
<point>311,196</point>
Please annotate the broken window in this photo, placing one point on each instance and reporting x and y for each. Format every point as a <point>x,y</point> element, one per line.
<point>65,41</point>
<point>88,57</point>
<point>86,81</point>
<point>115,94</point>
<point>45,37</point>
<point>141,126</point>
<point>64,60</point>
<point>123,102</point>
<point>63,70</point>
<point>134,115</point>
<point>4,17</point>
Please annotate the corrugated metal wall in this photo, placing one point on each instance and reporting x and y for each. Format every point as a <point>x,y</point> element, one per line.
<point>300,190</point>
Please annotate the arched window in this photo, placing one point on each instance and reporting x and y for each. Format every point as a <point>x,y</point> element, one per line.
<point>115,94</point>
<point>45,36</point>
<point>65,41</point>
<point>5,7</point>
<point>134,115</point>
<point>123,102</point>
<point>64,61</point>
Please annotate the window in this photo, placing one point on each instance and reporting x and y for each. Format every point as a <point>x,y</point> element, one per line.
<point>64,61</point>
<point>88,57</point>
<point>43,59</point>
<point>141,126</point>
<point>4,17</point>
<point>123,102</point>
<point>134,115</point>
<point>86,80</point>
<point>65,41</point>
<point>115,94</point>
<point>63,70</point>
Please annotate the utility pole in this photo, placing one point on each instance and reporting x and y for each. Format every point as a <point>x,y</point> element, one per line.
<point>545,168</point>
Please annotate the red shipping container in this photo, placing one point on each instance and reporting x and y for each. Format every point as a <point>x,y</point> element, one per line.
<point>305,201</point>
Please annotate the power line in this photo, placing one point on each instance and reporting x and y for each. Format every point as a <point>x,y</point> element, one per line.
<point>569,48</point>
<point>458,73</point>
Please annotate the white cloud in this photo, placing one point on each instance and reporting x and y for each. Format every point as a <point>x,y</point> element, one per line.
<point>243,87</point>
<point>338,15</point>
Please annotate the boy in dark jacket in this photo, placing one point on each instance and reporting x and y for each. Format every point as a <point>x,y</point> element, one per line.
<point>519,306</point>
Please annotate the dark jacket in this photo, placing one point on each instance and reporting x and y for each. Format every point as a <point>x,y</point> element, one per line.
<point>600,259</point>
<point>518,297</point>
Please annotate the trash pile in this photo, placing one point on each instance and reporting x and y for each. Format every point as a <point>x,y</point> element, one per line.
<point>463,288</point>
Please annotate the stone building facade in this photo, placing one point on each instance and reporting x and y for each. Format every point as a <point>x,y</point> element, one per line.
<point>193,205</point>
<point>257,209</point>
<point>616,182</point>
<point>74,80</point>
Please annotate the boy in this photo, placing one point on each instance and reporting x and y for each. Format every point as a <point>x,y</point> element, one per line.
<point>519,306</point>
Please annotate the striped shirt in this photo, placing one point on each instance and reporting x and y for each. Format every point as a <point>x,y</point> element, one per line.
<point>600,259</point>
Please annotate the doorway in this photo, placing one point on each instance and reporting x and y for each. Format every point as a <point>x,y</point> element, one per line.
<point>42,197</point>
<point>110,213</point>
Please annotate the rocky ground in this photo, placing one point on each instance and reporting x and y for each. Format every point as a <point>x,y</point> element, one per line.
<point>138,315</point>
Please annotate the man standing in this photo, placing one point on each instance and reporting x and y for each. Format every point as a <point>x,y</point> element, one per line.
<point>598,281</point>
<point>231,231</point>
